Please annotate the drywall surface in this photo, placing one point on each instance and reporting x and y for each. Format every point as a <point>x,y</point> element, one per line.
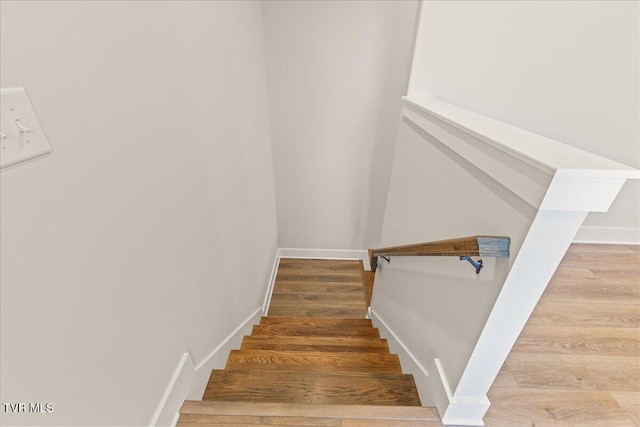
<point>437,306</point>
<point>568,70</point>
<point>150,231</point>
<point>336,73</point>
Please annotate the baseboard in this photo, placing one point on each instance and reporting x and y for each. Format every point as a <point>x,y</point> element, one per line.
<point>217,358</point>
<point>433,387</point>
<point>272,282</point>
<point>408,361</point>
<point>455,411</point>
<point>168,410</point>
<point>189,380</point>
<point>608,235</point>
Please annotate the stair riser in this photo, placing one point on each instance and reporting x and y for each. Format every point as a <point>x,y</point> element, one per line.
<point>313,331</point>
<point>319,321</point>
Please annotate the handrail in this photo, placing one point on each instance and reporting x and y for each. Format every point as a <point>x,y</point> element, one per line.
<point>488,246</point>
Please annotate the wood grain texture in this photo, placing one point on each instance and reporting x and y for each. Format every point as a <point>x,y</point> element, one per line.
<point>415,413</point>
<point>542,407</point>
<point>577,361</point>
<point>577,314</point>
<point>310,361</point>
<point>316,321</point>
<point>318,288</point>
<point>331,344</point>
<point>314,310</point>
<point>314,331</point>
<point>493,246</point>
<point>630,403</point>
<point>579,340</point>
<point>312,388</point>
<point>389,423</point>
<point>368,278</point>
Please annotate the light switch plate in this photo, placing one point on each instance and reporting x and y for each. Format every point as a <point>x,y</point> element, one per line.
<point>17,146</point>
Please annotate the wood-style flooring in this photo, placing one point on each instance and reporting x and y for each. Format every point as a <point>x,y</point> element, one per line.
<point>315,360</point>
<point>577,361</point>
<point>318,288</point>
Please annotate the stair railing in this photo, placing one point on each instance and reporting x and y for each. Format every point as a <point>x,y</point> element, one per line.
<point>463,247</point>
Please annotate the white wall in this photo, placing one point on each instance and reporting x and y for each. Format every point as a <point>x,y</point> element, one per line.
<point>568,70</point>
<point>150,230</point>
<point>336,73</point>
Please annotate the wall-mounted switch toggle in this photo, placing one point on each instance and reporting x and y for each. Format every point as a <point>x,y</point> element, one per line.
<point>22,135</point>
<point>22,128</point>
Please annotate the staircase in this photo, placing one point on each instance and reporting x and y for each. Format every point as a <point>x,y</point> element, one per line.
<point>312,371</point>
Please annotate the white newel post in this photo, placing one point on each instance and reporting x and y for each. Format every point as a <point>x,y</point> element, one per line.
<point>571,196</point>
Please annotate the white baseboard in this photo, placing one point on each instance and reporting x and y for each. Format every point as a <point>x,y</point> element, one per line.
<point>433,387</point>
<point>455,411</point>
<point>272,282</point>
<point>217,358</point>
<point>608,235</point>
<point>168,410</point>
<point>408,361</point>
<point>189,380</point>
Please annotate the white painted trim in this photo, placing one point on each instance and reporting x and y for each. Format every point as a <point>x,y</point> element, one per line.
<point>608,235</point>
<point>217,358</point>
<point>272,282</point>
<point>433,387</point>
<point>359,254</point>
<point>167,412</point>
<point>189,380</point>
<point>176,418</point>
<point>439,387</point>
<point>227,339</point>
<point>547,155</point>
<point>504,168</point>
<point>410,364</point>
<point>455,411</point>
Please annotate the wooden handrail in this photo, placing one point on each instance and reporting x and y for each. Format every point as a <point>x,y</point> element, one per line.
<point>488,246</point>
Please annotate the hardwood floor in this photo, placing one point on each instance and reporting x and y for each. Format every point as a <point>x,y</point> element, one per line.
<point>204,413</point>
<point>318,288</point>
<point>577,362</point>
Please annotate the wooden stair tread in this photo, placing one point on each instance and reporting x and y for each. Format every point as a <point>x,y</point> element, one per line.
<point>330,344</point>
<point>312,388</point>
<point>404,413</point>
<point>332,264</point>
<point>310,278</point>
<point>314,361</point>
<point>318,288</point>
<point>358,311</point>
<point>312,330</point>
<point>289,265</point>
<point>315,321</point>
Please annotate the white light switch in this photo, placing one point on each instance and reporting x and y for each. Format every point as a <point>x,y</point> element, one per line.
<point>22,136</point>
